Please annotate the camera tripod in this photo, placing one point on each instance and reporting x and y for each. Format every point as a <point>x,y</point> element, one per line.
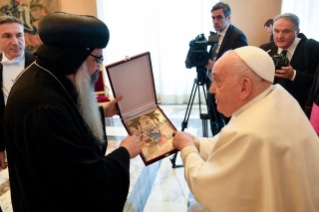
<point>204,82</point>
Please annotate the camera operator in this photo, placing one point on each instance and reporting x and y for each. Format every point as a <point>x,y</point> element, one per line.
<point>230,37</point>
<point>302,54</point>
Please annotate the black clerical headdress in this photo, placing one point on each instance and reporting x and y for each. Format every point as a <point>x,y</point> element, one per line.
<point>68,40</point>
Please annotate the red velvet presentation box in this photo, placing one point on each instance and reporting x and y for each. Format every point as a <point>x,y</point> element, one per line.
<point>133,79</point>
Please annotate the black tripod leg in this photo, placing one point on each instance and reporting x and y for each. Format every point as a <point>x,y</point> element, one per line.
<point>173,160</point>
<point>190,105</point>
<point>204,117</point>
<point>186,118</point>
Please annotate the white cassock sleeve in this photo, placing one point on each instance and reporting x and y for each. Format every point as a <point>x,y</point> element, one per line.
<point>223,169</point>
<point>265,159</point>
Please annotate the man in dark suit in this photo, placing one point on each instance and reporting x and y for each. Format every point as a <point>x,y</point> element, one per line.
<point>13,60</point>
<point>302,53</point>
<point>230,37</point>
<point>269,28</point>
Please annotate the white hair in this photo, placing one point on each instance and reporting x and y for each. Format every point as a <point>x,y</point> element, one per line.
<point>87,103</point>
<point>240,69</point>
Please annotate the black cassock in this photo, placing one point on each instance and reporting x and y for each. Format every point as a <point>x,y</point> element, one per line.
<point>54,162</point>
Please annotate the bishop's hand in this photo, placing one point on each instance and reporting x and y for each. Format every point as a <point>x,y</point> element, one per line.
<point>110,108</point>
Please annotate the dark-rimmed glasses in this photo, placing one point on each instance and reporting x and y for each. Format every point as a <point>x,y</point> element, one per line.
<point>99,60</point>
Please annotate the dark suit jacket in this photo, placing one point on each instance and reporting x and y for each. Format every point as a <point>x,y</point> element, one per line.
<point>29,58</point>
<point>234,38</point>
<point>299,88</point>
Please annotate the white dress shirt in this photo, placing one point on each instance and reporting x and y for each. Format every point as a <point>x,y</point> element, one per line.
<point>290,52</point>
<point>10,70</point>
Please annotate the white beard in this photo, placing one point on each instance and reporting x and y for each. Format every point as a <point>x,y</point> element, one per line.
<point>87,103</point>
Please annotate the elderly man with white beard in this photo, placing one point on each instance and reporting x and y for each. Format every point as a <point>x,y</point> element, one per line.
<point>53,129</point>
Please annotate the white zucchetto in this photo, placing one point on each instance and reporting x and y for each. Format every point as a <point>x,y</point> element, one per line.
<point>258,60</point>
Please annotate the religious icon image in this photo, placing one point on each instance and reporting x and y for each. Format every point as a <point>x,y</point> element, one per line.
<point>30,12</point>
<point>154,132</point>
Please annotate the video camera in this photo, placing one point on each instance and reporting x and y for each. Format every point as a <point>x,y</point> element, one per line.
<point>197,54</point>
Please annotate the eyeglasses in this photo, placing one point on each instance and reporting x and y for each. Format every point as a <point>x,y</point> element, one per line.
<point>99,60</point>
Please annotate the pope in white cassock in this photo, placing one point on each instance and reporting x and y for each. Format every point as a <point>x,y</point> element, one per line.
<point>266,159</point>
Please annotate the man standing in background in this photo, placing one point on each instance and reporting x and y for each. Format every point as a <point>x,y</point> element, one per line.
<point>269,28</point>
<point>230,37</point>
<point>13,60</point>
<point>302,53</point>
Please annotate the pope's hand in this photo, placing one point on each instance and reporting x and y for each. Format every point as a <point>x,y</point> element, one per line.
<point>182,140</point>
<point>210,65</point>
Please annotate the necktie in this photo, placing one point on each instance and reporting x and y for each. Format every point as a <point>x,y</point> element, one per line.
<point>284,53</point>
<point>214,50</point>
<point>282,81</point>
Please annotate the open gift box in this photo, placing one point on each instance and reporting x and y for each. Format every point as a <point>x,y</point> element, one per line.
<point>140,114</point>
